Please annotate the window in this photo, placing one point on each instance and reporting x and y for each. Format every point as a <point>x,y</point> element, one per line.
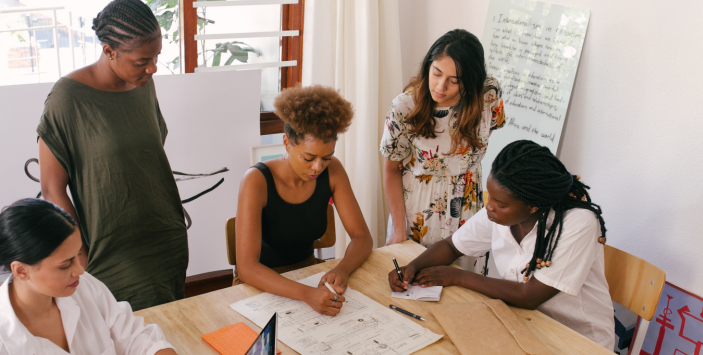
<point>247,34</point>
<point>42,43</point>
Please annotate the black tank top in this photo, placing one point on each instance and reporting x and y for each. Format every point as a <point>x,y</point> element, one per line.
<point>288,230</point>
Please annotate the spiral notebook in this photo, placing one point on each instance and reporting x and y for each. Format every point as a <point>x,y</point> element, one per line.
<point>418,293</point>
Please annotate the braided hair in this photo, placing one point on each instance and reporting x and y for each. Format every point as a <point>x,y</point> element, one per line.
<point>122,22</point>
<point>534,175</point>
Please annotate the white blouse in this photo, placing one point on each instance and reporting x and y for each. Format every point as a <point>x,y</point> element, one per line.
<point>94,323</point>
<point>577,269</point>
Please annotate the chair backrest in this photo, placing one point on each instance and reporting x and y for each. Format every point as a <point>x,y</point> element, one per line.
<point>327,240</point>
<point>633,282</point>
<point>230,235</point>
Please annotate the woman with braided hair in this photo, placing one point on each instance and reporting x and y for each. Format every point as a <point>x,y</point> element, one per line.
<point>102,135</point>
<point>545,234</point>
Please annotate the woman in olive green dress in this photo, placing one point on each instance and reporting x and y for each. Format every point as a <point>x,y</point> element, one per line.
<point>102,135</point>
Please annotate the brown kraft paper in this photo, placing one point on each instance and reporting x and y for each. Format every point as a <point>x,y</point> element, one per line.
<point>487,327</point>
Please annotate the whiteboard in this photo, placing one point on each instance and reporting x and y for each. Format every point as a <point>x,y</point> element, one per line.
<point>212,119</point>
<point>533,48</point>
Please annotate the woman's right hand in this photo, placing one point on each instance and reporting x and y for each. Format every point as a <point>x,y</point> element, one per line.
<point>398,236</point>
<point>322,301</point>
<point>408,274</point>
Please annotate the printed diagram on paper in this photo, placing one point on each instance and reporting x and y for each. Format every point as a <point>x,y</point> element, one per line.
<point>363,327</point>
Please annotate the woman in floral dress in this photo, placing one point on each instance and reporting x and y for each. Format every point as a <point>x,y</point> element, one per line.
<point>438,131</point>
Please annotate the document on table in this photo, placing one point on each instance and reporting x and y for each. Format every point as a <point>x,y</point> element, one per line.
<point>363,326</point>
<point>418,293</point>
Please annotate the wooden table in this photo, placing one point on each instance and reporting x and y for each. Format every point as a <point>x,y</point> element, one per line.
<point>185,321</point>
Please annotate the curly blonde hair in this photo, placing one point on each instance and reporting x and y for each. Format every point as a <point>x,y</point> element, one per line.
<point>318,111</point>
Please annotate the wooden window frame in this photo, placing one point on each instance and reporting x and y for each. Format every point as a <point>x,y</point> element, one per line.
<point>292,18</point>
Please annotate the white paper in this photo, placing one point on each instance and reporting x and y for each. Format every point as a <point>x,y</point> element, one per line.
<point>363,326</point>
<point>418,293</point>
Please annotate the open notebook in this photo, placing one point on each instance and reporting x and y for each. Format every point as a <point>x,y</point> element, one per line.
<point>418,293</point>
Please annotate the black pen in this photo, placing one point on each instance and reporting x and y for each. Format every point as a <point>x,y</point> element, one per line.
<point>406,312</point>
<point>400,275</point>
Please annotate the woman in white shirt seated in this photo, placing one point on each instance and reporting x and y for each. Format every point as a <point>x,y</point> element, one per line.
<point>545,236</point>
<point>49,305</point>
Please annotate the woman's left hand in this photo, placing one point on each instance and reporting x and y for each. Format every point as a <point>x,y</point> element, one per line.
<point>337,279</point>
<point>437,276</point>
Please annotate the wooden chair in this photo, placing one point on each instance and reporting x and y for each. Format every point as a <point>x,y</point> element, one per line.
<point>327,240</point>
<point>636,285</point>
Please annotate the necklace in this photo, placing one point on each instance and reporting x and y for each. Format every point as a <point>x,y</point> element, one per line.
<point>441,113</point>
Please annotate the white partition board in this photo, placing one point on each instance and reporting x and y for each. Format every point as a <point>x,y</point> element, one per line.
<point>21,107</point>
<point>533,49</point>
<point>212,118</point>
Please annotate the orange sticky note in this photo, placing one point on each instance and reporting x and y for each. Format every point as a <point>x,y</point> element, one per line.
<point>232,340</point>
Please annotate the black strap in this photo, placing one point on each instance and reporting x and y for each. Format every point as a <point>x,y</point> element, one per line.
<point>270,184</point>
<point>204,192</point>
<point>198,176</point>
<point>190,177</point>
<point>30,176</point>
<point>26,168</point>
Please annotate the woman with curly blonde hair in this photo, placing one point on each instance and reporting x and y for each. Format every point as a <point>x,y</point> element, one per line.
<point>282,206</point>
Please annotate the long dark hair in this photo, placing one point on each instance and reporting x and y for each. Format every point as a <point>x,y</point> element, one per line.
<point>31,229</point>
<point>127,23</point>
<point>534,175</point>
<point>467,52</point>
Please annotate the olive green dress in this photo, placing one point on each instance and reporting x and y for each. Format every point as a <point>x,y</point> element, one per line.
<point>111,146</point>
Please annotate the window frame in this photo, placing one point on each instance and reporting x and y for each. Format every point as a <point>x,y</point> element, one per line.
<point>292,18</point>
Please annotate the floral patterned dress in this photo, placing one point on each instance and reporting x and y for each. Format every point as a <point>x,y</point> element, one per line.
<point>441,190</point>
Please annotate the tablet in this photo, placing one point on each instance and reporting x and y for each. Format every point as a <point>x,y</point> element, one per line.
<point>265,343</point>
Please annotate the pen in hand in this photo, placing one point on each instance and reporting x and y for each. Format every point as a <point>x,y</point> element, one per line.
<point>336,296</point>
<point>400,276</point>
<point>397,269</point>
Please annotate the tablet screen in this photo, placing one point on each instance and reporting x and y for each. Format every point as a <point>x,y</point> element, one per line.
<point>265,343</point>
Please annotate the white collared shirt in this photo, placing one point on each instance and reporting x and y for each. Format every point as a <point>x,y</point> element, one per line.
<point>94,323</point>
<point>577,269</point>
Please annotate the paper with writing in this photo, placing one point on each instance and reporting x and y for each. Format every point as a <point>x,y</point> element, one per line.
<point>533,49</point>
<point>419,293</point>
<point>362,327</point>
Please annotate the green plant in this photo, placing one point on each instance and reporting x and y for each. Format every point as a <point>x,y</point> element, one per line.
<point>236,50</point>
<point>166,12</point>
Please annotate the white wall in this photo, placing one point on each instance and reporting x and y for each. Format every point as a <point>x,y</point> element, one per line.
<point>209,128</point>
<point>632,131</point>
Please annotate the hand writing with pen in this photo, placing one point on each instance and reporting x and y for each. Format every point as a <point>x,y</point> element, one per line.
<point>431,276</point>
<point>327,298</point>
